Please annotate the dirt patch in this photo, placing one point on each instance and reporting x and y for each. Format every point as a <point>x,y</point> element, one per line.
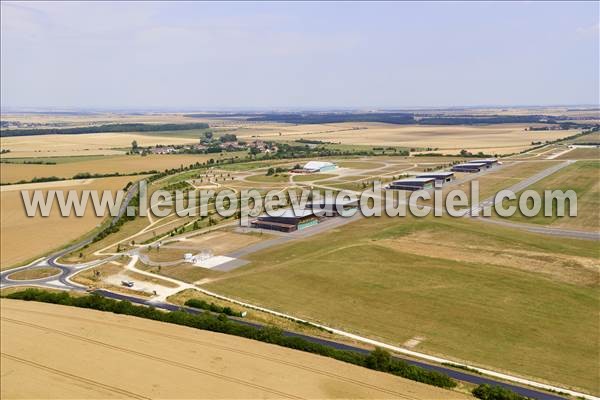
<point>571,269</point>
<point>217,243</point>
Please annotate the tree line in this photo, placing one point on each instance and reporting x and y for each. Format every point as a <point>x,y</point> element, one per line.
<point>106,128</point>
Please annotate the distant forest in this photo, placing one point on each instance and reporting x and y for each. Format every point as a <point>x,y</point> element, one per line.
<point>103,129</point>
<point>388,117</point>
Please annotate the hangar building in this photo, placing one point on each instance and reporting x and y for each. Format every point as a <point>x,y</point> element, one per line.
<point>288,221</point>
<point>469,167</point>
<point>489,162</point>
<point>329,208</point>
<point>412,184</point>
<point>440,177</point>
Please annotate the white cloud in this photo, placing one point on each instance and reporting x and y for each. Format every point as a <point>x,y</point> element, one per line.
<point>590,31</point>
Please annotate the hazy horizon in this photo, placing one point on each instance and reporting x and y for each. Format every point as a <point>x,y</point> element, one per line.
<point>298,56</point>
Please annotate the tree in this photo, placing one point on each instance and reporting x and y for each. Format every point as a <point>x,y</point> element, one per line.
<point>379,359</point>
<point>228,137</point>
<point>134,146</point>
<point>222,317</point>
<point>254,151</point>
<point>487,392</point>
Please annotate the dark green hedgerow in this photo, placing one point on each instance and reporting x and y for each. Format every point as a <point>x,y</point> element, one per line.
<point>203,305</point>
<point>487,392</point>
<point>379,359</point>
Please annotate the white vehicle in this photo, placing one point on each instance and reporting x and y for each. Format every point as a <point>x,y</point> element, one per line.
<point>127,283</point>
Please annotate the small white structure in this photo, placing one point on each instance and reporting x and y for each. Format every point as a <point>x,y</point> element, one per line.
<point>188,257</point>
<point>212,262</point>
<point>319,166</point>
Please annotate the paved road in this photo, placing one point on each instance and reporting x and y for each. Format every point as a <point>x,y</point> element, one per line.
<point>522,185</point>
<point>456,374</point>
<point>62,281</point>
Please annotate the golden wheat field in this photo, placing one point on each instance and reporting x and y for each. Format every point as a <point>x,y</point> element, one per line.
<point>181,362</point>
<point>25,238</point>
<point>497,138</point>
<point>73,120</point>
<point>82,144</point>
<point>503,139</point>
<point>67,167</point>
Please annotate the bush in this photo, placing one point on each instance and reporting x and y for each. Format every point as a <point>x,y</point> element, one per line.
<point>487,392</point>
<point>203,305</point>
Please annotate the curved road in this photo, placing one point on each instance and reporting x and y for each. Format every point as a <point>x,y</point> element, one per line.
<point>62,281</point>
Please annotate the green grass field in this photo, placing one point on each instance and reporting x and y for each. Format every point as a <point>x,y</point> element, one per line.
<point>491,296</point>
<point>582,153</point>
<point>277,178</point>
<point>584,178</point>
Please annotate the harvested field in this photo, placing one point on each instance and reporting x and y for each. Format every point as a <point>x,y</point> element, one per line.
<point>25,238</point>
<point>590,138</point>
<point>491,139</point>
<point>82,144</point>
<point>221,366</point>
<point>124,164</point>
<point>96,119</point>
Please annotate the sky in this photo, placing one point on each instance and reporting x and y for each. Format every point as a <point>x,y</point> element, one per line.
<point>215,56</point>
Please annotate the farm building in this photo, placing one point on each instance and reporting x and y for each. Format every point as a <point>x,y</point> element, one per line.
<point>489,162</point>
<point>469,167</point>
<point>329,208</point>
<point>440,177</point>
<point>288,221</point>
<point>412,184</point>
